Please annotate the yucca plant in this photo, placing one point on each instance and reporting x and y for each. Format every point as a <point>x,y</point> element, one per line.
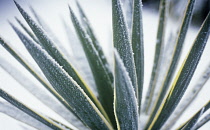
<point>116,101</point>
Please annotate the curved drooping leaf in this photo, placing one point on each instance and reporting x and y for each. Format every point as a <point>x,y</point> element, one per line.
<point>125,102</point>
<point>192,121</point>
<point>68,89</point>
<point>188,99</point>
<point>122,42</point>
<point>102,79</point>
<point>159,49</point>
<point>176,55</point>
<point>183,77</point>
<point>29,111</point>
<point>40,94</point>
<point>95,41</point>
<point>138,47</point>
<point>50,47</point>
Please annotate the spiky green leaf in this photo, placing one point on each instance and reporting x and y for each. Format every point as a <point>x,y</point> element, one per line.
<point>122,42</point>
<point>102,79</point>
<point>138,46</point>
<point>183,77</point>
<point>52,50</point>
<point>158,53</point>
<point>125,102</point>
<point>71,92</point>
<point>29,111</point>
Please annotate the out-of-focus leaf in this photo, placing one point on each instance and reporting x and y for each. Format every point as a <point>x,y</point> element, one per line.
<point>125,102</point>
<point>138,47</point>
<point>102,79</point>
<point>122,42</point>
<point>183,77</point>
<point>95,41</point>
<point>176,55</point>
<point>71,92</point>
<point>21,116</point>
<point>188,98</point>
<point>29,111</point>
<point>50,47</point>
<point>46,85</point>
<point>192,121</point>
<point>159,49</point>
<point>202,122</point>
<point>40,94</point>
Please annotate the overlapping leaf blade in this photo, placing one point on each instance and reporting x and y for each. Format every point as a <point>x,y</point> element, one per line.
<point>125,102</point>
<point>95,41</point>
<point>122,42</point>
<point>29,111</point>
<point>192,121</point>
<point>176,55</point>
<point>102,79</point>
<point>138,46</point>
<point>71,92</point>
<point>184,76</point>
<point>158,54</point>
<point>50,47</point>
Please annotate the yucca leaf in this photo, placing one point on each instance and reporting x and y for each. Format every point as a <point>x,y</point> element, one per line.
<point>40,94</point>
<point>29,111</point>
<point>95,41</point>
<point>202,122</point>
<point>176,55</point>
<point>47,86</point>
<point>192,121</point>
<point>158,53</point>
<point>21,116</point>
<point>183,77</point>
<point>27,30</point>
<point>122,42</point>
<point>102,79</point>
<point>188,99</point>
<point>71,92</point>
<point>56,54</point>
<point>125,102</point>
<point>138,46</point>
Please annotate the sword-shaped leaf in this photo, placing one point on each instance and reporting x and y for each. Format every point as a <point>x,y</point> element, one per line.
<point>50,47</point>
<point>29,111</point>
<point>65,86</point>
<point>125,102</point>
<point>192,121</point>
<point>176,55</point>
<point>183,77</point>
<point>122,42</point>
<point>158,54</point>
<point>95,41</point>
<point>138,47</point>
<point>102,79</point>
<point>202,122</point>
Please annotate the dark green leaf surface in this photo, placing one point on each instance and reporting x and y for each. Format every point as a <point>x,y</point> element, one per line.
<point>192,121</point>
<point>183,77</point>
<point>71,92</point>
<point>102,79</point>
<point>125,102</point>
<point>176,55</point>
<point>138,46</point>
<point>122,42</point>
<point>27,110</point>
<point>50,47</point>
<point>95,41</point>
<point>158,54</point>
